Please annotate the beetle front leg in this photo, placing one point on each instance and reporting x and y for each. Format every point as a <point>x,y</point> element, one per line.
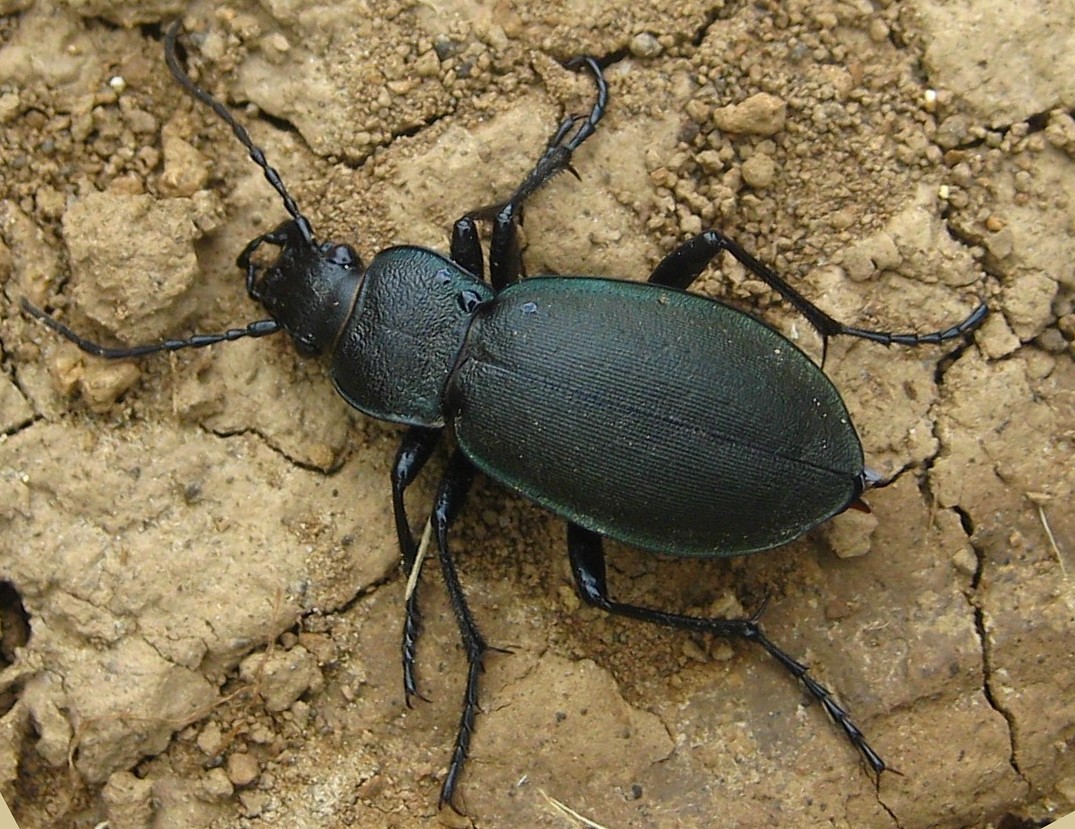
<point>414,451</point>
<point>587,555</point>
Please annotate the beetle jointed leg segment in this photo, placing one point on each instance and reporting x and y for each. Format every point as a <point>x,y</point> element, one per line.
<point>683,265</point>
<point>505,260</point>
<point>560,148</point>
<point>586,551</point>
<point>415,449</point>
<point>822,694</point>
<point>450,497</point>
<point>414,452</point>
<point>466,249</point>
<point>505,253</point>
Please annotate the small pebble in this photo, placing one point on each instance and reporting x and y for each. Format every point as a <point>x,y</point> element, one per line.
<point>242,769</point>
<point>645,45</point>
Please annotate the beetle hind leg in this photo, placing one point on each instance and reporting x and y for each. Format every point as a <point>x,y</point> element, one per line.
<point>588,567</point>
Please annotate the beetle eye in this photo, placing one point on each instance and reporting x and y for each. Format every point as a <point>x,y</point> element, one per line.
<point>342,255</point>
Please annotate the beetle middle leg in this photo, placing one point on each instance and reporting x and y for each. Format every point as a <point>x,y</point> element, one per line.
<point>505,261</point>
<point>586,551</point>
<point>562,145</point>
<point>683,265</point>
<point>450,497</point>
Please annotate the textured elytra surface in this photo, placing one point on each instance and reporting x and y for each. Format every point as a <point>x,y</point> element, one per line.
<point>563,375</point>
<point>202,545</point>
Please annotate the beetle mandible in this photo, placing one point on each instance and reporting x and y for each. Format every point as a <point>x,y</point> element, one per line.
<point>724,437</point>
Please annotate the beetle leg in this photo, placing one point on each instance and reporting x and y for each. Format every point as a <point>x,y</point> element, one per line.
<point>505,257</point>
<point>557,156</point>
<point>452,493</point>
<point>505,261</point>
<point>414,450</point>
<point>683,265</point>
<point>588,567</point>
<point>505,254</point>
<point>466,250</point>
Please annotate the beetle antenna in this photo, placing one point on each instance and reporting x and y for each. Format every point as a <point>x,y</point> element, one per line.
<point>260,328</point>
<point>256,153</point>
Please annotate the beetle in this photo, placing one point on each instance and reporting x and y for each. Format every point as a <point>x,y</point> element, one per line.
<point>722,436</point>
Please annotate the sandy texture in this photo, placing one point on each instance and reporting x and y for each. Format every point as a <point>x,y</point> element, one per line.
<point>200,606</point>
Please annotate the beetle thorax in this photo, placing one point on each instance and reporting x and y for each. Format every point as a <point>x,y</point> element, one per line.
<point>395,353</point>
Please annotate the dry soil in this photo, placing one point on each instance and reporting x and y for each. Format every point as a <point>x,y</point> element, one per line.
<point>200,603</point>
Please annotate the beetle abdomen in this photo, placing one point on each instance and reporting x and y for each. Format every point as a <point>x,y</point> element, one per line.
<point>665,420</point>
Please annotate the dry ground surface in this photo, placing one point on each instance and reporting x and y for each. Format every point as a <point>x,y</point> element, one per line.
<point>200,602</point>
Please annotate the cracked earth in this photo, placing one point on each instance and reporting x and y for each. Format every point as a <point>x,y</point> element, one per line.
<point>200,606</point>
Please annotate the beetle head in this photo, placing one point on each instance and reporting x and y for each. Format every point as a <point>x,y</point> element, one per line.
<point>309,289</point>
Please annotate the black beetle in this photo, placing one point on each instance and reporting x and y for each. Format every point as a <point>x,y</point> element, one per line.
<point>722,436</point>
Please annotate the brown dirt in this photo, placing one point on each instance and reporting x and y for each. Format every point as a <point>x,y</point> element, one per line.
<point>202,544</point>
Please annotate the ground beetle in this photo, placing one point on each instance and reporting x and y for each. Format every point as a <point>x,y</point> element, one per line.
<point>658,418</point>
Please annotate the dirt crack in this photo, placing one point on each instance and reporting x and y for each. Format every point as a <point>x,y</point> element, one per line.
<point>276,449</point>
<point>1035,122</point>
<point>721,12</point>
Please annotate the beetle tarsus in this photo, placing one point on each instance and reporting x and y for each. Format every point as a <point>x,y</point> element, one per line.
<point>752,631</point>
<point>558,152</point>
